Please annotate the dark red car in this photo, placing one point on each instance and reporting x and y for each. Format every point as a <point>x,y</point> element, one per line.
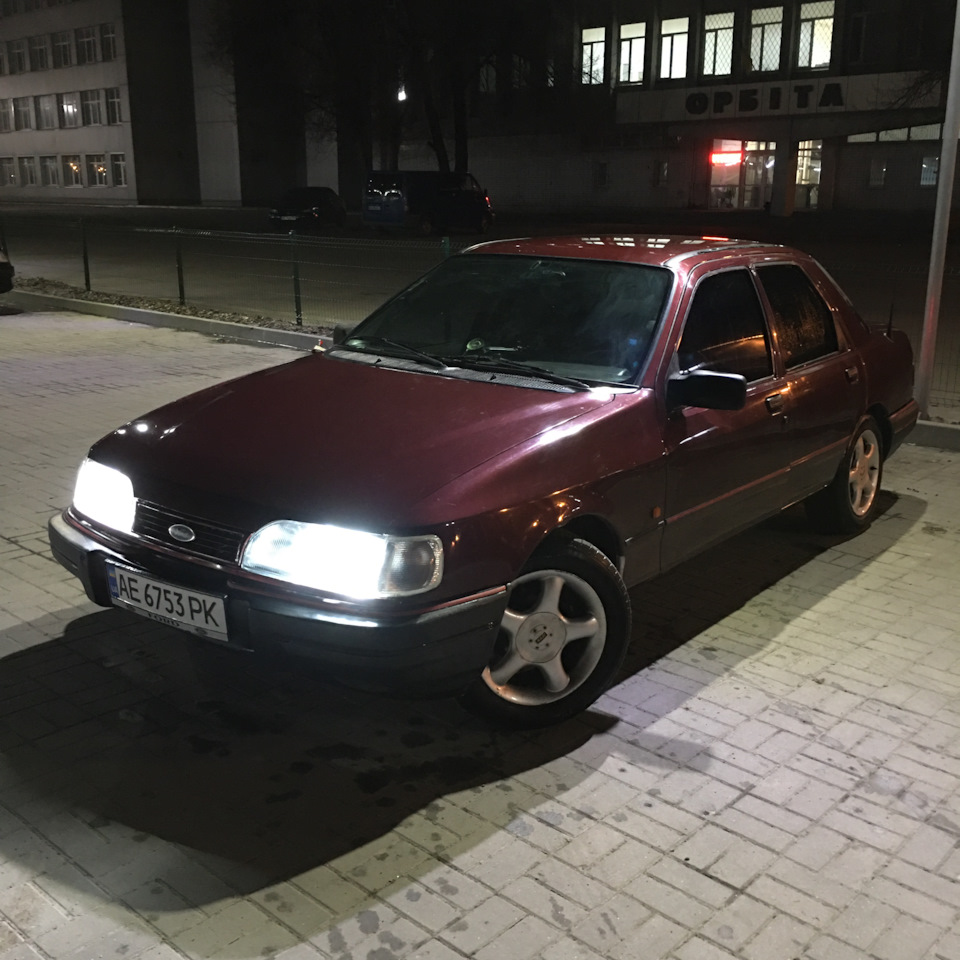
<point>456,498</point>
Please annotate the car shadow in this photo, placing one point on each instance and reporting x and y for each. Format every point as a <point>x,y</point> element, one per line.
<point>130,747</point>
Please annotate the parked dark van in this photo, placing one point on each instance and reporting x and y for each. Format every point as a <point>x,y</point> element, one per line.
<point>426,201</point>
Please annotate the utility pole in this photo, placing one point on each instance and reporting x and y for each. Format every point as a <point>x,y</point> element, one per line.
<point>941,225</point>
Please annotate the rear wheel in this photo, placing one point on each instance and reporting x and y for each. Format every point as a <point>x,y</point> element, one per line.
<point>850,502</point>
<point>562,639</point>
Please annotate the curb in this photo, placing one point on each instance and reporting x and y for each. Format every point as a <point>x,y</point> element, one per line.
<point>927,433</point>
<point>216,328</point>
<point>930,433</point>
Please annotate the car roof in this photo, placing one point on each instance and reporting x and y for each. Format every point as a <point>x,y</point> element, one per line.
<point>655,250</point>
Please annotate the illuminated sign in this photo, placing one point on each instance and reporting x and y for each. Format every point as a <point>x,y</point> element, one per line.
<point>726,159</point>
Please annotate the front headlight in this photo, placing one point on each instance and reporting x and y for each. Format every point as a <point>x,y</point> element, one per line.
<point>105,495</point>
<point>352,563</point>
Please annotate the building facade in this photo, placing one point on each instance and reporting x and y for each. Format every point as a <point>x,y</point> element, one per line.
<point>625,104</point>
<point>730,104</point>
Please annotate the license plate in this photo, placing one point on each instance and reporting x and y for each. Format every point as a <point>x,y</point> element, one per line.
<point>373,206</point>
<point>200,613</point>
<point>289,218</point>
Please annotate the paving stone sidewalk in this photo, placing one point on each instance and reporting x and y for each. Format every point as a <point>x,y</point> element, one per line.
<point>776,775</point>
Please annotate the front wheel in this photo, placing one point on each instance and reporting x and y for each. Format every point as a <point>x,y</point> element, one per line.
<point>562,639</point>
<point>850,502</point>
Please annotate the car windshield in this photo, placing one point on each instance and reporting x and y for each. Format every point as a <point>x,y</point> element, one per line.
<point>592,320</point>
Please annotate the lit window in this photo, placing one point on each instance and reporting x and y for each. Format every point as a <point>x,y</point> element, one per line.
<point>862,138</point>
<point>673,48</point>
<point>816,34</point>
<point>928,131</point>
<point>928,171</point>
<point>766,34</point>
<point>96,170</point>
<point>118,169</point>
<point>592,46</point>
<point>718,44</point>
<point>69,104</point>
<point>633,37</point>
<point>72,175</point>
<point>878,172</point>
<point>898,134</point>
<point>50,171</point>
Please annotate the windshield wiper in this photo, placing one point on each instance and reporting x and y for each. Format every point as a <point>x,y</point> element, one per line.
<point>360,343</point>
<point>482,361</point>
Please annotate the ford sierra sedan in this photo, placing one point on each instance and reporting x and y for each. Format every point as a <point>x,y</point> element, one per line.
<point>455,497</point>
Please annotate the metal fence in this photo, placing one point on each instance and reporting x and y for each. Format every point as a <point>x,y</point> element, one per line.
<point>338,279</point>
<point>306,280</point>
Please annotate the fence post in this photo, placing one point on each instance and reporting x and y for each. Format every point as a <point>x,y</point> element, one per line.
<point>86,254</point>
<point>296,281</point>
<point>180,288</point>
<point>445,246</point>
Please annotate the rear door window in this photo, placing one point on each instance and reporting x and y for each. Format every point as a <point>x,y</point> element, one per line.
<point>805,327</point>
<point>726,331</point>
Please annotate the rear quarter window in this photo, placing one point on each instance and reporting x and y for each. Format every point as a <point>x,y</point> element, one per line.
<point>804,323</point>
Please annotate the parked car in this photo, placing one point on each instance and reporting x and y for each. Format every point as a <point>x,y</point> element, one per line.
<point>6,272</point>
<point>306,208</point>
<point>426,201</point>
<point>505,448</point>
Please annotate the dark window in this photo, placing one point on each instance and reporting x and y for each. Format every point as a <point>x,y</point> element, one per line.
<point>108,41</point>
<point>39,53</point>
<point>17,59</point>
<point>804,323</point>
<point>725,329</point>
<point>87,45</point>
<point>62,48</point>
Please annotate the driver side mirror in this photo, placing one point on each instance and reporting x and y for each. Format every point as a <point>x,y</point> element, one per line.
<point>706,388</point>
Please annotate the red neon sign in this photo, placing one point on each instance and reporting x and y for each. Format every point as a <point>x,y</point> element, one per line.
<point>726,159</point>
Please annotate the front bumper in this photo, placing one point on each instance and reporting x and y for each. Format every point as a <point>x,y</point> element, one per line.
<point>434,652</point>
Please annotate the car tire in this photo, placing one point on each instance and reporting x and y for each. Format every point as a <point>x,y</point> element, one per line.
<point>483,224</point>
<point>849,503</point>
<point>563,638</point>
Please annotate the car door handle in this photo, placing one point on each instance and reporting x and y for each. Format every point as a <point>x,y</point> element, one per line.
<point>853,374</point>
<point>775,403</point>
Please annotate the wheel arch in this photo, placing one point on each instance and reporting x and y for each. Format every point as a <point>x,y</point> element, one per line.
<point>595,530</point>
<point>882,418</point>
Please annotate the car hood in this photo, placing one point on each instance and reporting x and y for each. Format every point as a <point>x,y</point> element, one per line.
<point>329,440</point>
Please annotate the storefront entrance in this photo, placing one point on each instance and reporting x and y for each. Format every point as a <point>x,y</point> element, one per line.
<point>741,174</point>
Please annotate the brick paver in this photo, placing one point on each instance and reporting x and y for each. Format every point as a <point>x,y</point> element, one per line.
<point>777,775</point>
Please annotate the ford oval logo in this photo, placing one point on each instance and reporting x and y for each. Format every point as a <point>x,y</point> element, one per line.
<point>181,532</point>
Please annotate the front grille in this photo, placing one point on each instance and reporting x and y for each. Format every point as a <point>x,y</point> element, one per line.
<point>153,522</point>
